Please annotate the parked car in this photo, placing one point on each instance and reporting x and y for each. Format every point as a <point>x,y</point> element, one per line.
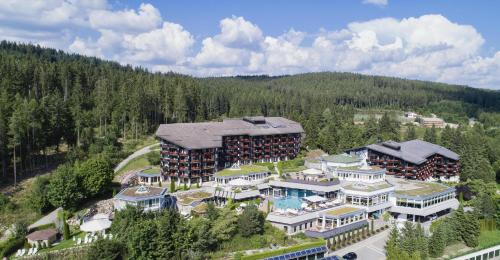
<point>350,256</point>
<point>433,216</point>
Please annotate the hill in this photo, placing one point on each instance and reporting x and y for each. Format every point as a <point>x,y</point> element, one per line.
<point>48,98</point>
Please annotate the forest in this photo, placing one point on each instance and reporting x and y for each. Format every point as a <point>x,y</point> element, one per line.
<point>51,101</point>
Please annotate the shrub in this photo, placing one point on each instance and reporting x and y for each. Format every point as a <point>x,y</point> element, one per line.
<point>153,157</point>
<point>11,246</point>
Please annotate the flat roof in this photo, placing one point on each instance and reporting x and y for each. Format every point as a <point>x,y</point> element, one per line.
<point>42,234</point>
<point>242,170</point>
<point>414,151</point>
<point>342,158</point>
<point>342,210</point>
<point>420,189</point>
<point>209,134</point>
<point>367,187</point>
<point>189,197</point>
<point>140,193</point>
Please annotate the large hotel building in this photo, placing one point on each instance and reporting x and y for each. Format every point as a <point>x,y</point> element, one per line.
<point>193,152</point>
<point>415,159</point>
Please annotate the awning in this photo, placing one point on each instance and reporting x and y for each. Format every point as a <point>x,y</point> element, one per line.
<point>312,172</point>
<point>95,225</point>
<point>240,182</point>
<point>314,199</point>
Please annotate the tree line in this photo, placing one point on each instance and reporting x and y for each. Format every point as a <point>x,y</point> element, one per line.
<point>51,101</point>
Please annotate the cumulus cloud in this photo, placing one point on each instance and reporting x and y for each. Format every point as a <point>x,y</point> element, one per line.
<point>376,2</point>
<point>428,47</point>
<point>145,19</point>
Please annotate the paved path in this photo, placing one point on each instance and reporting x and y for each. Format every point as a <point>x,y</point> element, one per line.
<point>136,154</point>
<point>371,248</point>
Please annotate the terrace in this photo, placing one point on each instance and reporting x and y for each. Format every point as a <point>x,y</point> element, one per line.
<point>418,188</point>
<point>190,197</point>
<point>243,170</point>
<point>340,211</point>
<point>366,187</point>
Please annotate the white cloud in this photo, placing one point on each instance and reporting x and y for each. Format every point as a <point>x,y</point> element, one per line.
<point>429,47</point>
<point>376,2</point>
<point>145,19</point>
<point>171,43</point>
<point>237,31</point>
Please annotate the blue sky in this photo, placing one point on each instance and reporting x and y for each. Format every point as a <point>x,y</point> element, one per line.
<point>448,41</point>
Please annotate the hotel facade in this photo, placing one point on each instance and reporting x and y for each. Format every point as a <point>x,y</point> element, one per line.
<point>193,152</point>
<point>415,159</point>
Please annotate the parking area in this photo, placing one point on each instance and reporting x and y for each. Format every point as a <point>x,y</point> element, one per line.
<point>371,248</point>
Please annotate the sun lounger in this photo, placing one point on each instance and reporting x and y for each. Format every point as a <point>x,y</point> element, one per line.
<point>35,250</point>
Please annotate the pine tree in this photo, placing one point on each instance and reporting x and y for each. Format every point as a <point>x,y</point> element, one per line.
<point>411,133</point>
<point>437,241</point>
<point>172,186</point>
<point>392,244</point>
<point>430,135</point>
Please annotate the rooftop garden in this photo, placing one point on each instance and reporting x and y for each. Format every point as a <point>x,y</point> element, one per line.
<point>341,211</point>
<point>188,198</point>
<point>368,187</point>
<point>419,188</point>
<point>295,165</point>
<point>243,170</point>
<point>358,168</point>
<point>153,170</point>
<point>282,251</point>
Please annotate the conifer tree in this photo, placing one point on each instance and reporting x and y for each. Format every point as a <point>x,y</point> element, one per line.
<point>437,241</point>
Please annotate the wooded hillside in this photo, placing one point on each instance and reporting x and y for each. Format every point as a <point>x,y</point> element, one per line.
<point>49,98</point>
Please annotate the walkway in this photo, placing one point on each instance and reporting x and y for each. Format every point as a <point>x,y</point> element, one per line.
<point>371,248</point>
<point>136,154</point>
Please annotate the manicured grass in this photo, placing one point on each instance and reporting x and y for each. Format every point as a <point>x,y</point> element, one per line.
<point>423,188</point>
<point>153,170</point>
<point>284,250</point>
<point>244,169</point>
<point>193,196</point>
<point>135,164</point>
<point>341,211</point>
<point>271,235</point>
<point>368,187</point>
<point>64,243</point>
<point>489,238</point>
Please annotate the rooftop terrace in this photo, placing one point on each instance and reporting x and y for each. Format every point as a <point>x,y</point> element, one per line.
<point>368,187</point>
<point>242,170</point>
<point>188,198</point>
<point>341,211</point>
<point>418,188</point>
<point>153,170</point>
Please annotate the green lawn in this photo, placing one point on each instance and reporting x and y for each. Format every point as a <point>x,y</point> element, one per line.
<point>153,170</point>
<point>284,250</point>
<point>188,198</point>
<point>135,164</point>
<point>489,238</point>
<point>64,243</point>
<point>244,169</point>
<point>424,188</point>
<point>368,187</point>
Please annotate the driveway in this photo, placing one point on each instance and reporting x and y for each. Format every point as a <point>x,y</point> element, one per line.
<point>371,248</point>
<point>136,154</point>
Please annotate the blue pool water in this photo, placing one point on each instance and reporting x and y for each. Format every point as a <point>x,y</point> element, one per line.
<point>287,203</point>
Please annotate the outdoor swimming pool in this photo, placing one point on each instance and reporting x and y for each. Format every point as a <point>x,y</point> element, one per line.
<point>287,203</point>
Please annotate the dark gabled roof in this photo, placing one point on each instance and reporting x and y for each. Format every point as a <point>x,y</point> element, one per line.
<point>209,134</point>
<point>414,151</point>
<point>42,234</point>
